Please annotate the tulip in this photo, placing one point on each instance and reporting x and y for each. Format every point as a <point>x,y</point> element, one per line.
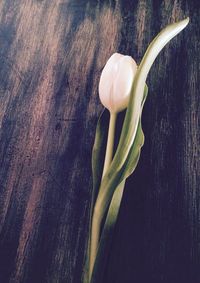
<point>114,91</point>
<point>116,81</point>
<point>119,81</point>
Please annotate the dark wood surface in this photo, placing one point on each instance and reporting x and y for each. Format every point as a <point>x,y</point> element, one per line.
<point>51,57</point>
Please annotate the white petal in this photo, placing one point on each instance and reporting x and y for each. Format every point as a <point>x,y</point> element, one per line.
<point>106,80</point>
<point>127,68</point>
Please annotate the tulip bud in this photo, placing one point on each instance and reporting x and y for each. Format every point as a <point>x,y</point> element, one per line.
<point>116,81</point>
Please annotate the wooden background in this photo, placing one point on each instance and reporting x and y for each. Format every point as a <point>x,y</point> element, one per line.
<point>51,57</point>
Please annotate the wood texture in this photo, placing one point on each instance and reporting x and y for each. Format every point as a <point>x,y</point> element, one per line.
<point>51,57</point>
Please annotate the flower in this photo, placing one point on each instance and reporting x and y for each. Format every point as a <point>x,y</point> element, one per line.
<point>116,81</point>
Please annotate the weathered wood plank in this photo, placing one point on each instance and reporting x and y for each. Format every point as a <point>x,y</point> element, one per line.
<point>51,57</point>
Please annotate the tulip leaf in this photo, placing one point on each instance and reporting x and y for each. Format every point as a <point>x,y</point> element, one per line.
<point>133,111</point>
<point>109,226</point>
<point>98,151</point>
<point>134,153</point>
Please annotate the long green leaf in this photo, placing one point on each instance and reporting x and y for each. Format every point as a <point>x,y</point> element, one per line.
<point>98,151</point>
<point>133,110</point>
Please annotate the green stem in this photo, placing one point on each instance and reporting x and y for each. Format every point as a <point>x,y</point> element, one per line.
<point>96,218</point>
<point>110,142</point>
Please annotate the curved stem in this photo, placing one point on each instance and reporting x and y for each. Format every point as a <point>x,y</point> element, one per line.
<point>97,217</point>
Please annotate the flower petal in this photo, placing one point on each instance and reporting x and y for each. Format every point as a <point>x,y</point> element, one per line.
<point>127,68</point>
<point>106,80</point>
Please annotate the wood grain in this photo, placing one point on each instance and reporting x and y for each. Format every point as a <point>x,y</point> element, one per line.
<point>51,57</point>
